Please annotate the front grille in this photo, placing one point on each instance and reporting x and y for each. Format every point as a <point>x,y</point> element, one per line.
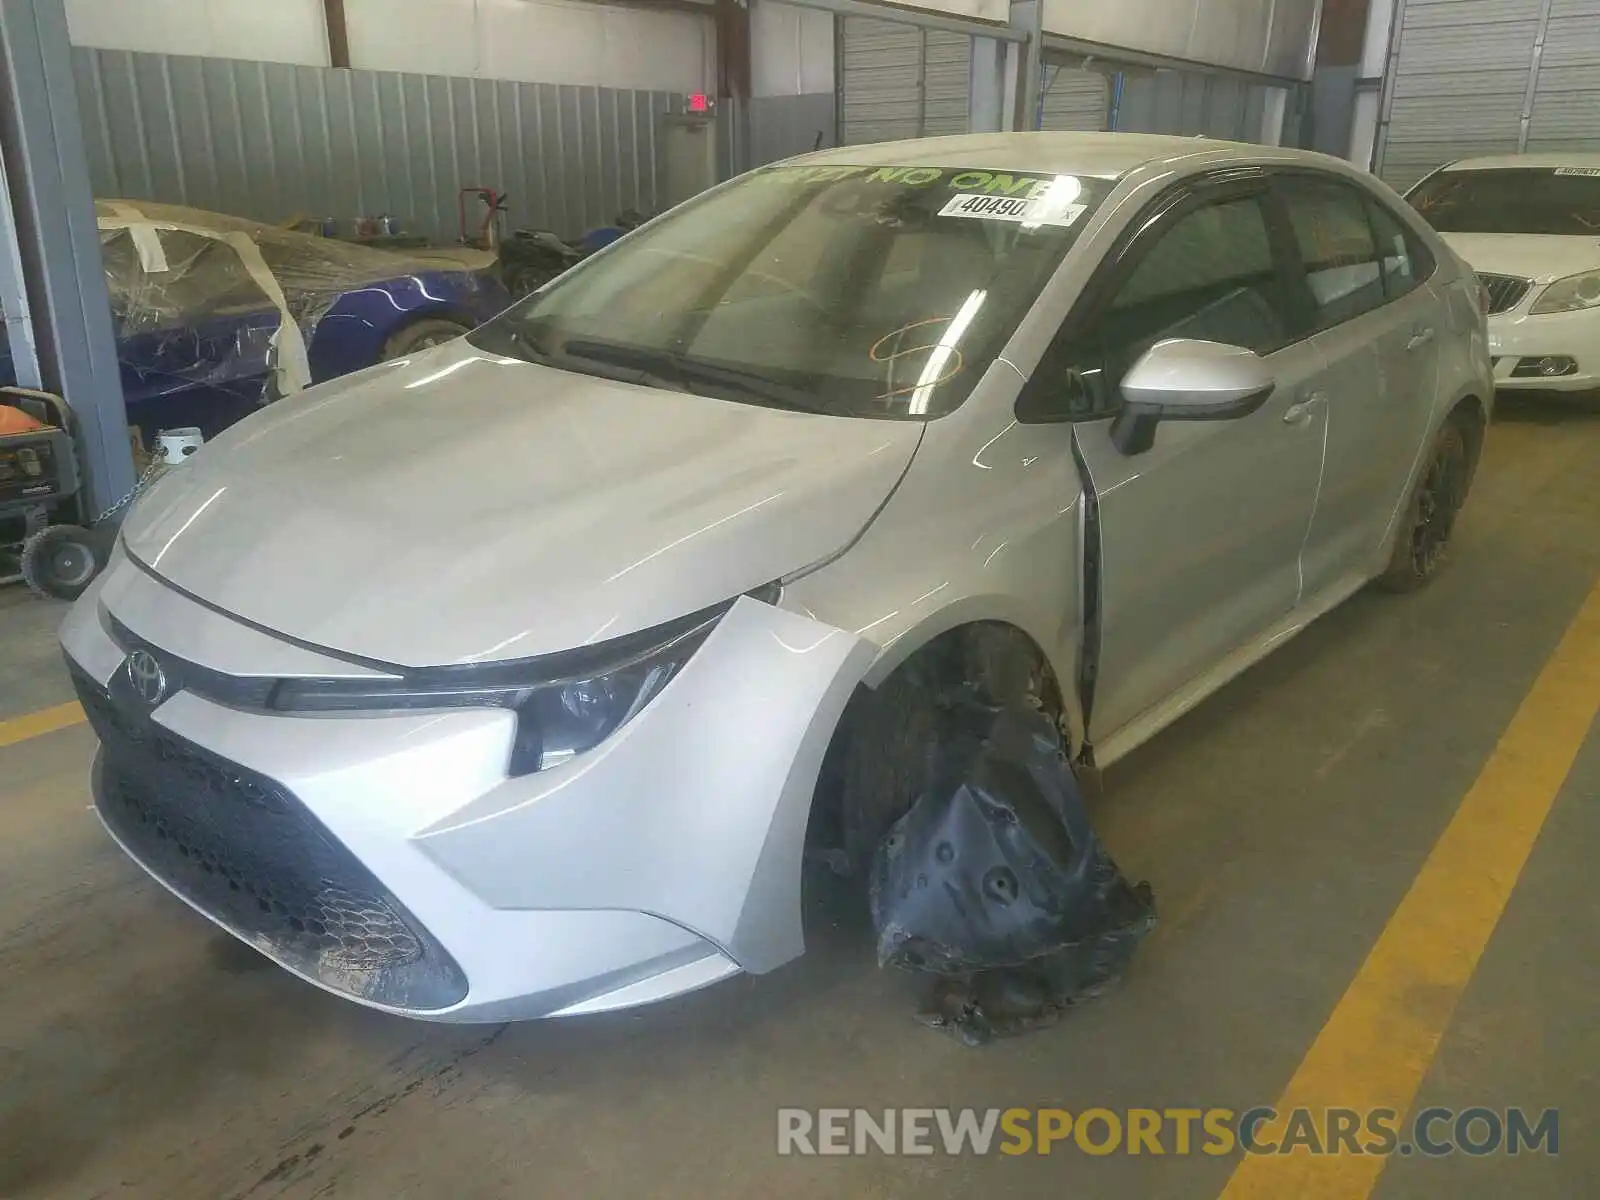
<point>235,691</point>
<point>1505,291</point>
<point>242,848</point>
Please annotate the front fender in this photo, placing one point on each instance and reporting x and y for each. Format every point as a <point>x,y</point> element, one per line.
<point>695,812</point>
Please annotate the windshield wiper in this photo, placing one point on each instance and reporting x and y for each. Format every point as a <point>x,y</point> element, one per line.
<point>564,359</point>
<point>686,372</point>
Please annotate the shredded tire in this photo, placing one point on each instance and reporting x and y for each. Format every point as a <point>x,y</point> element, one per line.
<point>895,731</point>
<point>888,762</point>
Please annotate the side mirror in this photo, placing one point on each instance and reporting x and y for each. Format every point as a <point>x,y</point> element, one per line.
<point>1185,380</point>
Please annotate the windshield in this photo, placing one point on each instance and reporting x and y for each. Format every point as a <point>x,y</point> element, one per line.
<point>857,291</point>
<point>1561,201</point>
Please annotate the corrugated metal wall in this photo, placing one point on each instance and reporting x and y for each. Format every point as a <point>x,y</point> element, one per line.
<point>783,126</point>
<point>1191,103</point>
<point>271,141</point>
<point>899,81</point>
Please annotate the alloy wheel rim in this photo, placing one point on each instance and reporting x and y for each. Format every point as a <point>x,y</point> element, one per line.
<point>1436,509</point>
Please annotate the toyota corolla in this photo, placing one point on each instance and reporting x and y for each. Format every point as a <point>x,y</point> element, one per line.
<point>513,678</point>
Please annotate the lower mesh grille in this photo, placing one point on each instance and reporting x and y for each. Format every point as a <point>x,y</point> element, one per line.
<point>243,849</point>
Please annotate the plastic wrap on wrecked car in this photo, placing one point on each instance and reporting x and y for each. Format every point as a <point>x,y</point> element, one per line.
<point>186,312</point>
<point>199,298</point>
<point>996,883</point>
<point>313,271</point>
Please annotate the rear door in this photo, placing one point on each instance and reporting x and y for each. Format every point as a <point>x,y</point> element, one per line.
<point>1379,327</point>
<point>1201,534</point>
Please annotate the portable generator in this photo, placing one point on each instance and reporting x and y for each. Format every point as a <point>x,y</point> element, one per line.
<point>38,468</point>
<point>44,540</point>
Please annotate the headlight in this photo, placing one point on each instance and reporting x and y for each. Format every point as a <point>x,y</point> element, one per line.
<point>1571,294</point>
<point>565,703</point>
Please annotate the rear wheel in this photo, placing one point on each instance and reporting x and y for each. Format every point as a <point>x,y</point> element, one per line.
<point>420,335</point>
<point>1423,541</point>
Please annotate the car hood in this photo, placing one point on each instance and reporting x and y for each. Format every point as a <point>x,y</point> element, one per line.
<point>1539,257</point>
<point>464,507</point>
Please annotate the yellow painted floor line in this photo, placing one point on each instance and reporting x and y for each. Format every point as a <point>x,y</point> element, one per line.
<point>20,729</point>
<point>1378,1043</point>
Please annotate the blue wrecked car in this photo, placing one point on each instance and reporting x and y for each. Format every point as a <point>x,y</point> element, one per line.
<point>218,315</point>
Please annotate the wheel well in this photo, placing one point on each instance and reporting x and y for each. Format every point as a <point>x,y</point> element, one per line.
<point>416,316</point>
<point>437,312</point>
<point>1000,660</point>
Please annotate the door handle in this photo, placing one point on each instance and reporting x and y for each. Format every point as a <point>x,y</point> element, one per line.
<point>1300,411</point>
<point>1419,339</point>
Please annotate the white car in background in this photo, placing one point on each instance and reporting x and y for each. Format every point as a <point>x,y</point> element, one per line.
<point>1529,224</point>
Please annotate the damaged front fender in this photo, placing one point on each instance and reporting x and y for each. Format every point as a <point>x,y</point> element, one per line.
<point>696,811</point>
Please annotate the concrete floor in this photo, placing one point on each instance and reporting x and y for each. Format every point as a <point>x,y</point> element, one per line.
<point>142,1054</point>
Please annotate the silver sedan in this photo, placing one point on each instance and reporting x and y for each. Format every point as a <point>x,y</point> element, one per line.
<point>518,677</point>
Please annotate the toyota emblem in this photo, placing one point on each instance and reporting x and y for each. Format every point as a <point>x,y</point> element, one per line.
<point>148,679</point>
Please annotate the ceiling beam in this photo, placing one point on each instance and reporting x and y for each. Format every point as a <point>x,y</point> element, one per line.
<point>338,33</point>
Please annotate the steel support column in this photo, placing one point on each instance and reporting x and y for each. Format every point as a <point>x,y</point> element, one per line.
<point>14,308</point>
<point>1274,106</point>
<point>986,103</point>
<point>58,244</point>
<point>1027,18</point>
<point>338,33</point>
<point>1532,91</point>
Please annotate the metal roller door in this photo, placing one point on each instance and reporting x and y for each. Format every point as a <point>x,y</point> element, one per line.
<point>1461,81</point>
<point>1565,114</point>
<point>1075,99</point>
<point>899,81</point>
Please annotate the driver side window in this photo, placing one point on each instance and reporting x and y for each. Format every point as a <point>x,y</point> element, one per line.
<point>1209,274</point>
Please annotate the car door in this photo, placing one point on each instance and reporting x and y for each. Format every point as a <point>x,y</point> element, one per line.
<point>1199,535</point>
<point>1379,327</point>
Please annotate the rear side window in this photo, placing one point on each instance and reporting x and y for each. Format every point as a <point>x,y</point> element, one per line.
<point>1343,267</point>
<point>1406,262</point>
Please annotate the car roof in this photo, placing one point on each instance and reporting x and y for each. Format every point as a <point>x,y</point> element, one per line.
<point>1532,162</point>
<point>1095,155</point>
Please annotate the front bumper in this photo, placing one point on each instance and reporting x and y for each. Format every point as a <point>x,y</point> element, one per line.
<point>389,858</point>
<point>1517,336</point>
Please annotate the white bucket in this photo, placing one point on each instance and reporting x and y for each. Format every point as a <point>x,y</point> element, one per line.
<point>176,445</point>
